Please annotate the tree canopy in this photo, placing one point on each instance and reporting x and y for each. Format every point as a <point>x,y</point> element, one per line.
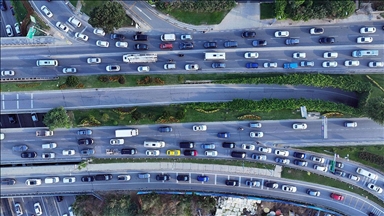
<point>375,109</point>
<point>109,16</point>
<point>57,118</point>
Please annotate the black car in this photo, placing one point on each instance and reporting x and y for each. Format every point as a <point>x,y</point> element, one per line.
<point>28,154</point>
<point>8,181</point>
<point>230,44</point>
<point>12,118</point>
<point>190,153</point>
<point>208,45</point>
<point>129,151</point>
<point>232,182</point>
<point>59,198</point>
<point>86,141</point>
<point>248,34</point>
<point>238,154</point>
<point>186,46</point>
<point>327,40</point>
<point>163,177</point>
<point>300,162</point>
<point>117,37</point>
<point>228,145</point>
<point>87,179</point>
<point>271,185</point>
<point>165,129</point>
<point>182,178</point>
<point>339,173</point>
<point>299,155</point>
<point>141,46</point>
<point>257,43</point>
<point>218,65</point>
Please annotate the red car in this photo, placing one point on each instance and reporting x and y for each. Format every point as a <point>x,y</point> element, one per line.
<point>337,197</point>
<point>166,46</point>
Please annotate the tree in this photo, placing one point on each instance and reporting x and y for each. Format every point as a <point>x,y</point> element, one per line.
<point>375,109</point>
<point>57,118</point>
<point>109,16</point>
<point>72,81</point>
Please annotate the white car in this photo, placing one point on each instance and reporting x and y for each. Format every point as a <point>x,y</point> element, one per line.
<point>123,177</point>
<point>99,32</point>
<point>248,147</point>
<point>69,70</point>
<point>199,127</point>
<point>32,182</point>
<point>81,36</point>
<point>299,126</point>
<point>281,33</point>
<point>8,73</point>
<point>186,37</point>
<point>211,153</point>
<point>69,179</point>
<point>51,180</point>
<point>264,149</point>
<point>191,67</point>
<point>143,68</point>
<point>270,64</point>
<point>116,141</point>
<point>69,152</point>
<point>48,155</point>
<point>17,28</point>
<point>289,188</point>
<point>152,152</point>
<point>94,60</point>
<point>320,168</point>
<point>376,64</point>
<point>327,64</point>
<point>37,208</point>
<point>18,209</point>
<point>112,68</point>
<point>365,30</point>
<point>318,159</point>
<point>330,55</point>
<point>254,134</point>
<point>299,55</point>
<point>375,188</point>
<point>101,43</point>
<point>62,26</point>
<point>121,44</point>
<point>364,40</point>
<point>47,12</point>
<point>259,157</point>
<point>350,63</point>
<point>316,31</point>
<point>9,30</point>
<point>353,177</point>
<point>251,183</point>
<point>282,153</point>
<point>251,55</point>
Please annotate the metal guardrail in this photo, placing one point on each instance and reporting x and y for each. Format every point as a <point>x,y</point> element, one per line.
<point>28,79</point>
<point>23,41</point>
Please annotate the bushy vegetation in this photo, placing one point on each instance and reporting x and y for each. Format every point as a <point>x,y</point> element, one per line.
<point>72,81</point>
<point>373,158</point>
<point>57,118</point>
<point>311,9</point>
<point>196,5</point>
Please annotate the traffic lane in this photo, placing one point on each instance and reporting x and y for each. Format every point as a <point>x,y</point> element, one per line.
<point>219,182</point>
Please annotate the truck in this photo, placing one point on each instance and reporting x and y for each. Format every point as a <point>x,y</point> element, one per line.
<point>139,58</point>
<point>127,132</point>
<point>114,151</point>
<point>49,146</point>
<point>290,65</point>
<point>44,133</point>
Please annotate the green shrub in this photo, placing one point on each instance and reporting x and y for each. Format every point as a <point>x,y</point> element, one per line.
<point>122,80</point>
<point>136,115</point>
<point>180,114</point>
<point>72,81</point>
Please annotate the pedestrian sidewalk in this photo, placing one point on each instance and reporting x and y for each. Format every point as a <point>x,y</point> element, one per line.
<point>157,167</point>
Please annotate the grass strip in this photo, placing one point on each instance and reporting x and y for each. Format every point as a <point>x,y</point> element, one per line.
<point>267,11</point>
<point>20,10</point>
<point>305,176</point>
<point>352,153</point>
<point>185,160</point>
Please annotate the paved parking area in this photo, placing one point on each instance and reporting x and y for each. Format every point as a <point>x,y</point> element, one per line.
<point>22,121</point>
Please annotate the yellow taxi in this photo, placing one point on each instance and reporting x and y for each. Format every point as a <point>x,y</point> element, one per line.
<point>173,152</point>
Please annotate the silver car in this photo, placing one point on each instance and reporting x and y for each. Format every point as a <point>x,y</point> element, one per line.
<point>144,175</point>
<point>69,70</point>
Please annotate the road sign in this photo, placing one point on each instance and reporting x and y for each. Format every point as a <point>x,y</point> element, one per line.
<point>32,19</point>
<point>31,32</point>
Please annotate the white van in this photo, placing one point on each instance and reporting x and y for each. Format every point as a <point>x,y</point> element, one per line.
<point>350,124</point>
<point>154,144</point>
<point>47,63</point>
<point>168,37</point>
<point>51,180</point>
<point>214,56</point>
<point>169,66</point>
<point>366,173</point>
<point>363,53</point>
<point>74,21</point>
